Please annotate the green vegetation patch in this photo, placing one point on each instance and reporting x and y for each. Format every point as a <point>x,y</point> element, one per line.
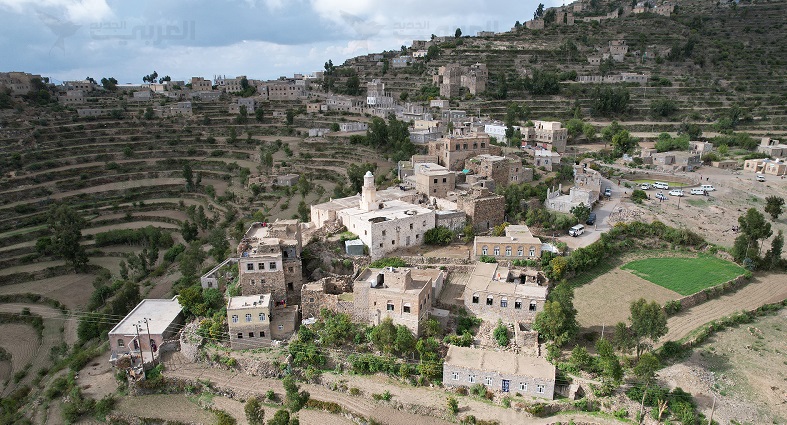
<point>685,275</point>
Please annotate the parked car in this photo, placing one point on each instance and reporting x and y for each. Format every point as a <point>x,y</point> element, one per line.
<point>760,177</point>
<point>591,218</point>
<point>676,192</point>
<point>708,187</point>
<point>661,185</point>
<point>576,230</point>
<point>698,191</point>
<point>608,192</point>
<point>645,186</point>
<point>661,196</point>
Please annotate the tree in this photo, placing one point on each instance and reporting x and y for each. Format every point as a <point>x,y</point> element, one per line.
<point>457,33</point>
<point>148,115</point>
<point>439,235</point>
<point>66,227</point>
<point>259,114</point>
<point>453,405</point>
<point>188,175</point>
<point>622,143</point>
<point>773,206</point>
<point>293,400</point>
<point>109,83</point>
<point>753,228</point>
<point>773,258</point>
<point>404,342</point>
<point>557,322</point>
<point>189,231</point>
<point>581,212</point>
<point>383,336</point>
<point>608,362</point>
<point>290,117</point>
<point>539,11</point>
<point>501,334</point>
<point>243,115</point>
<point>589,131</point>
<point>353,85</point>
<point>646,367</point>
<point>648,322</point>
<point>281,417</point>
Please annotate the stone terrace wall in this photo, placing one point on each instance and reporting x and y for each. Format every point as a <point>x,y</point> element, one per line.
<point>712,292</point>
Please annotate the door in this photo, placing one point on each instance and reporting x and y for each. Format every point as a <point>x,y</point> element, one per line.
<point>506,384</point>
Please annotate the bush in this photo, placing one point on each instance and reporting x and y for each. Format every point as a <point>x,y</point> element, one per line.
<point>453,405</point>
<point>637,196</point>
<point>439,235</point>
<point>672,307</point>
<point>487,259</point>
<point>255,415</point>
<point>501,334</point>
<point>388,262</point>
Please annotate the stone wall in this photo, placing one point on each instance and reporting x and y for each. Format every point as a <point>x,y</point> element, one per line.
<point>712,292</point>
<point>526,339</point>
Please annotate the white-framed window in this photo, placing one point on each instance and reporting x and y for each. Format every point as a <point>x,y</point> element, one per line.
<point>389,306</point>
<point>281,327</point>
<point>234,318</point>
<point>532,251</point>
<point>523,386</point>
<point>484,251</point>
<point>240,335</point>
<point>490,300</point>
<point>471,378</point>
<point>272,266</point>
<point>121,343</point>
<point>504,302</point>
<point>455,376</point>
<point>518,305</point>
<point>261,266</point>
<point>262,317</point>
<point>520,252</point>
<point>497,250</point>
<point>406,308</point>
<point>508,251</point>
<point>533,306</point>
<point>248,317</point>
<point>488,380</point>
<point>475,298</point>
<point>540,388</point>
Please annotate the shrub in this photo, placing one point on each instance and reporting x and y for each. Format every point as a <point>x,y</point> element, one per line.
<point>672,307</point>
<point>637,196</point>
<point>453,405</point>
<point>388,262</point>
<point>255,415</point>
<point>439,235</point>
<point>501,334</point>
<point>487,259</point>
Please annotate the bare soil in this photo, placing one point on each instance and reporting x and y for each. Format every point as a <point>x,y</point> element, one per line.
<point>73,290</point>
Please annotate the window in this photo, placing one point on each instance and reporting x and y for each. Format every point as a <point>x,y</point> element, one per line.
<point>311,299</point>
<point>475,145</point>
<point>251,334</point>
<point>520,251</point>
<point>435,180</point>
<point>289,286</point>
<point>445,180</point>
<point>497,250</point>
<point>252,281</point>
<point>411,226</point>
<point>383,232</point>
<point>455,376</point>
<point>272,266</point>
<point>508,251</point>
<point>261,266</point>
<point>504,302</point>
<point>532,251</point>
<point>532,306</point>
<point>262,317</point>
<point>483,145</point>
<point>471,378</point>
<point>464,146</point>
<point>234,318</point>
<point>240,335</point>
<point>488,380</point>
<point>490,300</point>
<point>518,305</point>
<point>389,306</point>
<point>475,298</point>
<point>484,251</point>
<point>406,308</point>
<point>121,343</point>
<point>262,334</point>
<point>249,266</point>
<point>540,388</point>
<point>248,317</point>
<point>289,269</point>
<point>522,386</point>
<point>281,327</point>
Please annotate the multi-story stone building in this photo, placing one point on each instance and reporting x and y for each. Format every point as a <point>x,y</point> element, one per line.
<point>433,180</point>
<point>772,147</point>
<point>451,77</point>
<point>270,261</point>
<point>501,169</point>
<point>548,135</point>
<point>201,84</point>
<point>513,295</point>
<point>483,208</point>
<point>499,371</point>
<point>254,321</point>
<point>282,90</point>
<point>518,244</point>
<point>452,152</point>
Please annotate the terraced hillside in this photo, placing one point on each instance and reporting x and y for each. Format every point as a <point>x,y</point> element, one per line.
<point>706,58</point>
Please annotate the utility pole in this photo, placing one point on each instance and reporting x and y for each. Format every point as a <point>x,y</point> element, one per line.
<point>150,341</point>
<point>712,408</point>
<point>603,325</point>
<point>139,348</point>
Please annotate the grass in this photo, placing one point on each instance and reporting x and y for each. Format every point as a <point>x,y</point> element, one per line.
<point>685,275</point>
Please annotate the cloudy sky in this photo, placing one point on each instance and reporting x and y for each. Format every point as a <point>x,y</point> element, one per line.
<point>126,39</point>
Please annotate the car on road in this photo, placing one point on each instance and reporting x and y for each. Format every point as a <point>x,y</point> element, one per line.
<point>676,192</point>
<point>645,186</point>
<point>708,187</point>
<point>760,177</point>
<point>608,192</point>
<point>661,196</point>
<point>698,191</point>
<point>591,218</point>
<point>661,185</point>
<point>576,230</point>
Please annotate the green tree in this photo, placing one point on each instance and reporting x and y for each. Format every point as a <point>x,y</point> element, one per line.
<point>623,143</point>
<point>281,417</point>
<point>501,334</point>
<point>648,322</point>
<point>293,400</point>
<point>539,11</point>
<point>383,336</point>
<point>581,212</point>
<point>353,86</point>
<point>188,174</point>
<point>66,227</point>
<point>148,115</point>
<point>335,127</point>
<point>774,206</point>
<point>259,114</point>
<point>608,363</point>
<point>110,84</point>
<point>589,131</point>
<point>556,322</point>
<point>439,235</point>
<point>290,117</point>
<point>453,405</point>
<point>303,211</point>
<point>753,228</point>
<point>404,343</point>
<point>189,231</point>
<point>355,173</point>
<point>457,33</point>
<point>646,367</point>
<point>622,338</point>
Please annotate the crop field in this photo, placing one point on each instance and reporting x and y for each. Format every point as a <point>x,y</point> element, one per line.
<point>685,275</point>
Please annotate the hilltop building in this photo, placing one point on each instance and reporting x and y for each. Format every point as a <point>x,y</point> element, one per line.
<point>270,261</point>
<point>255,322</point>
<point>518,244</point>
<point>513,295</point>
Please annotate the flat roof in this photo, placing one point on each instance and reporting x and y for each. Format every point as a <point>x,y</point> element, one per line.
<point>500,361</point>
<point>159,312</point>
<point>392,210</point>
<point>490,277</point>
<point>248,301</point>
<point>418,280</point>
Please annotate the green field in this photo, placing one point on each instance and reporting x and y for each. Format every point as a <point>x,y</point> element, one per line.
<point>685,275</point>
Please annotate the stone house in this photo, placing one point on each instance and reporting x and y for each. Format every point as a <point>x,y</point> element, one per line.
<point>546,158</point>
<point>254,321</point>
<point>549,135</point>
<point>483,208</point>
<point>727,164</point>
<point>503,170</point>
<point>513,295</point>
<point>72,97</point>
<point>353,127</point>
<point>248,102</point>
<point>401,61</point>
<point>766,166</point>
<point>433,180</point>
<point>452,152</point>
<point>518,244</point>
<point>270,261</point>
<point>772,147</point>
<point>91,112</point>
<point>145,329</point>
<point>499,371</point>
<point>286,180</point>
<point>201,84</point>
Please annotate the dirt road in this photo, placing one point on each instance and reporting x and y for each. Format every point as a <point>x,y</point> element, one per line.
<point>764,289</point>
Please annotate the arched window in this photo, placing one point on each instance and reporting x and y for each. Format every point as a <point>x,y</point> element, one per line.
<point>475,298</point>
<point>533,306</point>
<point>497,251</point>
<point>484,250</point>
<point>532,251</point>
<point>490,300</point>
<point>508,251</point>
<point>504,302</point>
<point>520,251</point>
<point>518,304</point>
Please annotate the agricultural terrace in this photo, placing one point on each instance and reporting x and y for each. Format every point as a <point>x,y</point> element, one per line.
<point>685,275</point>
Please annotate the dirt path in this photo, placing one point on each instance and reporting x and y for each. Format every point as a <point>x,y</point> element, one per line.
<point>764,289</point>
<point>430,399</point>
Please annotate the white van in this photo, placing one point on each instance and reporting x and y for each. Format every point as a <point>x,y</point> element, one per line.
<point>576,230</point>
<point>698,191</point>
<point>760,177</point>
<point>661,185</point>
<point>708,187</point>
